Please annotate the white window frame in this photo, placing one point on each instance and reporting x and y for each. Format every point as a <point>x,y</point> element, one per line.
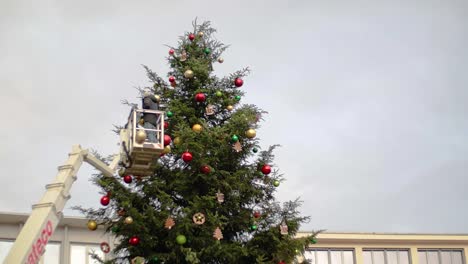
<point>439,250</point>
<point>88,248</point>
<point>329,250</point>
<point>384,250</point>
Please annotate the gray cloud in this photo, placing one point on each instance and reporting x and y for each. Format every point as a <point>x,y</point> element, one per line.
<point>368,99</point>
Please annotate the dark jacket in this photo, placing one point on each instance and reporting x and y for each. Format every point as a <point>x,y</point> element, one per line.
<point>149,102</point>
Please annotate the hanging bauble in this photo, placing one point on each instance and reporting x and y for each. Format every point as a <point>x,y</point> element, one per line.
<point>207,51</point>
<point>191,36</point>
<point>105,200</point>
<point>237,146</point>
<point>200,97</point>
<point>217,234</point>
<point>257,214</point>
<point>121,212</point>
<point>173,84</point>
<point>205,169</point>
<point>220,197</point>
<point>128,220</point>
<point>219,93</point>
<point>138,260</point>
<point>92,225</point>
<point>281,262</point>
<point>153,260</point>
<point>167,140</point>
<point>250,133</point>
<point>199,218</point>
<point>200,34</point>
<point>255,150</point>
<point>121,172</point>
<point>220,60</point>
<point>181,239</point>
<point>266,169</point>
<point>209,110</point>
<point>169,223</point>
<point>284,228</point>
<point>171,79</point>
<point>253,227</point>
<point>127,179</point>
<point>134,241</point>
<point>169,114</point>
<point>115,229</point>
<point>276,183</point>
<point>105,247</point>
<point>230,107</point>
<point>166,125</point>
<point>197,128</point>
<point>183,56</point>
<point>187,157</point>
<point>167,150</point>
<point>234,138</point>
<point>237,97</point>
<point>238,82</point>
<point>171,52</point>
<point>140,136</point>
<point>188,74</point>
<point>313,240</point>
<point>177,141</point>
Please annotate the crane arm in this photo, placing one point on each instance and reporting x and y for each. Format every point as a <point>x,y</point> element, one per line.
<point>45,216</point>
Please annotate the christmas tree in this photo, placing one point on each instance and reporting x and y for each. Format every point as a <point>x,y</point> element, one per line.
<point>210,196</point>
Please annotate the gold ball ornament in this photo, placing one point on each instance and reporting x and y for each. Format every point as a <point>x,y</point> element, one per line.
<point>92,225</point>
<point>250,133</point>
<point>128,220</point>
<point>177,141</point>
<point>197,128</point>
<point>157,97</point>
<point>140,136</point>
<point>220,60</point>
<point>230,107</point>
<point>188,74</point>
<point>167,149</point>
<point>200,34</point>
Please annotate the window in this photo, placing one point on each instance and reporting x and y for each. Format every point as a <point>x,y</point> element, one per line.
<point>51,254</point>
<point>385,256</point>
<point>5,247</point>
<point>441,256</point>
<point>81,254</point>
<point>329,256</point>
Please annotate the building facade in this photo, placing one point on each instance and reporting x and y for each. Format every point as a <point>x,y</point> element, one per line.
<point>72,243</point>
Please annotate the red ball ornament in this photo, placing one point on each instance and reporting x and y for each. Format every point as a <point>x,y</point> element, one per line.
<point>238,82</point>
<point>171,79</point>
<point>281,262</point>
<point>127,179</point>
<point>257,214</point>
<point>187,156</point>
<point>191,37</point>
<point>167,140</point>
<point>134,241</point>
<point>105,200</point>
<point>166,125</point>
<point>205,169</point>
<point>200,97</point>
<point>171,52</point>
<point>266,169</point>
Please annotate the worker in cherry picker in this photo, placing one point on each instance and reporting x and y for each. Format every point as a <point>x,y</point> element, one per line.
<point>150,102</point>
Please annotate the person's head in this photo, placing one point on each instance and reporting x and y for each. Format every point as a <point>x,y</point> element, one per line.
<point>147,93</point>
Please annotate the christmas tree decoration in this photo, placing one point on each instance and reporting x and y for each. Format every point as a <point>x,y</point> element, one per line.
<point>121,172</point>
<point>276,183</point>
<point>183,56</point>
<point>220,60</point>
<point>127,179</point>
<point>284,228</point>
<point>188,74</point>
<point>167,149</point>
<point>234,138</point>
<point>140,136</point>
<point>266,169</point>
<point>197,128</point>
<point>105,200</point>
<point>217,234</point>
<point>92,225</point>
<point>257,214</point>
<point>200,97</point>
<point>191,36</point>
<point>105,247</point>
<point>171,52</point>
<point>187,156</point>
<point>177,141</point>
<point>154,260</point>
<point>207,51</point>
<point>230,107</point>
<point>237,97</point>
<point>220,197</point>
<point>219,93</point>
<point>169,114</point>
<point>199,218</point>
<point>115,229</point>
<point>134,241</point>
<point>313,240</point>
<point>121,212</point>
<point>250,133</point>
<point>138,260</point>
<point>171,79</point>
<point>169,223</point>
<point>157,97</point>
<point>200,34</point>
<point>141,121</point>
<point>255,150</point>
<point>166,125</point>
<point>181,239</point>
<point>167,140</point>
<point>238,82</point>
<point>173,84</point>
<point>281,262</point>
<point>205,169</point>
<point>253,227</point>
<point>128,220</point>
<point>209,110</point>
<point>237,146</point>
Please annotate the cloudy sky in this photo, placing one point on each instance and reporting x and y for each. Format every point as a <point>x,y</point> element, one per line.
<point>368,99</point>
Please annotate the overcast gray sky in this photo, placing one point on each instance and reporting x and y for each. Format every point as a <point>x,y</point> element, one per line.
<point>367,98</point>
